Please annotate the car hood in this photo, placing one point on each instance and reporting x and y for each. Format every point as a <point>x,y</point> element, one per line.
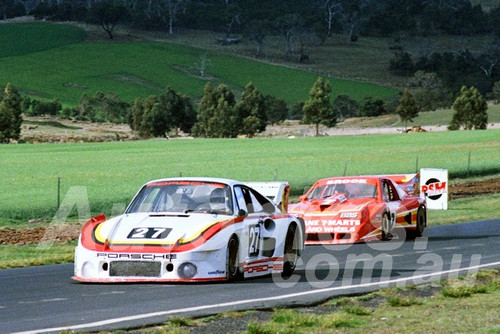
<point>158,228</point>
<point>330,206</point>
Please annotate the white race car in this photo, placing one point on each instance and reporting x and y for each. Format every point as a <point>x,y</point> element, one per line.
<point>193,229</point>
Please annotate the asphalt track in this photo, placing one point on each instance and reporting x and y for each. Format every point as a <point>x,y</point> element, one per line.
<point>45,299</point>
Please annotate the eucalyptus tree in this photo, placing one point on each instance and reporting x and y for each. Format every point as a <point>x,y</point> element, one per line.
<point>318,108</point>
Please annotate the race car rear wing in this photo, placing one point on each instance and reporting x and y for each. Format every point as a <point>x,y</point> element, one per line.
<point>408,182</point>
<point>277,191</point>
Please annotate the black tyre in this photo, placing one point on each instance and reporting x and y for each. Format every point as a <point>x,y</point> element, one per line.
<point>232,259</point>
<point>291,252</point>
<point>420,224</point>
<point>386,227</point>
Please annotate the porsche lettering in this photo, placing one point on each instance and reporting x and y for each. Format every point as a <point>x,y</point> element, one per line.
<point>134,256</point>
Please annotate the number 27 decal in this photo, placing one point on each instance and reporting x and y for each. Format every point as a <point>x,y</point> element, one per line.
<point>149,233</point>
<point>254,240</point>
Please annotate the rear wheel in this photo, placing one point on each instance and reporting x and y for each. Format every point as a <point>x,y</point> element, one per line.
<point>291,251</point>
<point>420,224</point>
<point>232,259</point>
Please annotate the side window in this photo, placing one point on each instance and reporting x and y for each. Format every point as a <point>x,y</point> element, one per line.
<point>385,191</point>
<point>390,193</point>
<point>240,198</point>
<point>251,201</point>
<point>261,203</point>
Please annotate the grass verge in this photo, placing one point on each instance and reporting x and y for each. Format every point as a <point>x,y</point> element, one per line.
<point>467,304</point>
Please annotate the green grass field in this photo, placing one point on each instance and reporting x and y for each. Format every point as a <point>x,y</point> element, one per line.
<point>54,61</point>
<point>112,172</point>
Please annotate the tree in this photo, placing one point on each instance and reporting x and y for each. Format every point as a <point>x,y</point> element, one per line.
<point>297,111</point>
<point>276,109</point>
<point>10,114</point>
<point>107,14</point>
<point>372,107</point>
<point>256,32</point>
<point>134,116</point>
<point>252,104</point>
<point>318,109</point>
<point>155,116</point>
<point>173,7</point>
<point>288,26</point>
<point>495,93</point>
<point>429,91</point>
<point>332,7</point>
<point>345,107</point>
<point>470,110</point>
<point>407,108</point>
<point>155,122</point>
<point>101,108</point>
<point>179,110</point>
<point>216,117</point>
<point>39,107</point>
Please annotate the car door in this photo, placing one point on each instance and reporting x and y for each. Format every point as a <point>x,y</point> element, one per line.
<point>392,200</point>
<point>258,208</point>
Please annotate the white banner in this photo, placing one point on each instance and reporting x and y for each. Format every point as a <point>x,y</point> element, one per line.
<point>434,187</point>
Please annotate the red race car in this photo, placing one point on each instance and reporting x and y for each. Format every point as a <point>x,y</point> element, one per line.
<point>353,209</point>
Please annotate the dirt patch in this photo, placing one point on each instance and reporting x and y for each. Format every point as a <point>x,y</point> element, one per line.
<point>474,188</point>
<point>26,236</point>
<point>49,129</point>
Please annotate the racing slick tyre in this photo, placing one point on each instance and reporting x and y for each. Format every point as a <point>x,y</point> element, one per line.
<point>386,227</point>
<point>291,252</point>
<point>232,259</point>
<point>420,224</point>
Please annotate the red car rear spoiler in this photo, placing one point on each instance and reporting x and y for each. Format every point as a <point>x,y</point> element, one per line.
<point>408,182</point>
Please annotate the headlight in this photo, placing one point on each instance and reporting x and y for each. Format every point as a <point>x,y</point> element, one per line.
<point>186,270</point>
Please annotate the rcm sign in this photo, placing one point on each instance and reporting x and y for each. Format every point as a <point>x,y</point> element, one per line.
<point>434,187</point>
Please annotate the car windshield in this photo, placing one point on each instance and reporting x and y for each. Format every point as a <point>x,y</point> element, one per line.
<point>350,190</point>
<point>183,196</point>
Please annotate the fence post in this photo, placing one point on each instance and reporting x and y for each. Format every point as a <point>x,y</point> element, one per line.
<point>468,165</point>
<point>58,195</point>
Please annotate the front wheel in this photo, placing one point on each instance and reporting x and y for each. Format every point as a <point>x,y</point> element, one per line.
<point>386,227</point>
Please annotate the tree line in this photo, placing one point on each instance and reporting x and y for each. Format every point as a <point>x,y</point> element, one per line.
<point>259,18</point>
<point>221,115</point>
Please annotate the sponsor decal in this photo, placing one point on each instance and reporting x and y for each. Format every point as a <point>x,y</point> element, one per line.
<point>332,225</point>
<point>333,222</point>
<point>184,183</point>
<point>434,188</point>
<point>342,181</point>
<point>217,272</point>
<point>259,268</point>
<point>136,256</point>
<point>149,233</point>
<point>349,215</point>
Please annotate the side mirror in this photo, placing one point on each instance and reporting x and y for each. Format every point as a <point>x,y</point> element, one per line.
<point>303,198</point>
<point>242,213</point>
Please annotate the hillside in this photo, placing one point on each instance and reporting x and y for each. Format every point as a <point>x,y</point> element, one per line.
<point>138,64</point>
